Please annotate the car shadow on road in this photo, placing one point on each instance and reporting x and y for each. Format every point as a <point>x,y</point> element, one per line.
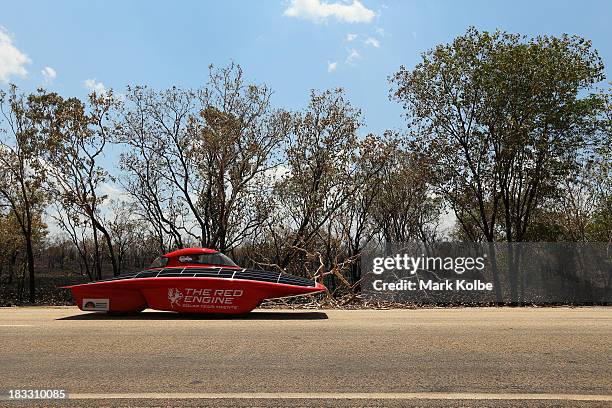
<point>258,315</point>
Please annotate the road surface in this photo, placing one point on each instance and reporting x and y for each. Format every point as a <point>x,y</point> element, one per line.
<point>427,357</point>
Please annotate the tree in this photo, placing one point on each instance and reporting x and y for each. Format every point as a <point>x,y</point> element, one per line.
<point>75,137</point>
<point>406,208</point>
<point>320,169</point>
<point>582,211</point>
<point>503,120</point>
<point>355,223</point>
<point>126,230</point>
<point>11,243</point>
<point>199,160</point>
<point>22,172</point>
<point>600,176</point>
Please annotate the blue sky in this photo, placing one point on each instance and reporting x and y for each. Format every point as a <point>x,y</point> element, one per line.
<point>293,46</point>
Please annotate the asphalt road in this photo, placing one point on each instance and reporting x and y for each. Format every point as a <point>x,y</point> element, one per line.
<point>429,357</point>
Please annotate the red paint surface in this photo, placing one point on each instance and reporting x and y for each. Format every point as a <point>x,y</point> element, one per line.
<point>196,295</point>
<point>187,294</point>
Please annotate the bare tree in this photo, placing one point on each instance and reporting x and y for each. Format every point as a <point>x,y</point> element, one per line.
<point>77,228</point>
<point>21,172</point>
<point>127,231</point>
<point>356,223</point>
<point>76,138</point>
<point>199,160</point>
<point>320,162</point>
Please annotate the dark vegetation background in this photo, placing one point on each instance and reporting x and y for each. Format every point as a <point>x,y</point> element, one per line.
<point>508,136</point>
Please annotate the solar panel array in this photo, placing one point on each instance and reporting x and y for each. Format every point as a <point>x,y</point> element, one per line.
<point>224,273</point>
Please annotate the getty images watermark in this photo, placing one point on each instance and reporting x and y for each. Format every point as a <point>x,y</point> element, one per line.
<point>412,265</point>
<point>485,273</point>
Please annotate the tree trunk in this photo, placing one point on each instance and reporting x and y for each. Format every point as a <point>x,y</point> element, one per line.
<point>513,273</point>
<point>97,262</point>
<point>495,272</point>
<point>30,260</point>
<point>109,244</point>
<point>12,263</point>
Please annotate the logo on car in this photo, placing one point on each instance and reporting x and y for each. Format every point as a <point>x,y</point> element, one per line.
<point>174,295</point>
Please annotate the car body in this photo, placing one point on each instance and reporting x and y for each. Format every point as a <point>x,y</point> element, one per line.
<point>191,280</point>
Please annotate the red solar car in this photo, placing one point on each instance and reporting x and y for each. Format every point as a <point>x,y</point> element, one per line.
<point>191,280</point>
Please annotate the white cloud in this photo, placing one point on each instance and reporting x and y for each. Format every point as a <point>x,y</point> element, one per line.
<point>381,31</point>
<point>94,86</point>
<point>113,192</point>
<point>269,176</point>
<point>350,37</point>
<point>373,42</point>
<point>353,56</point>
<point>318,10</point>
<point>331,66</point>
<point>12,61</point>
<point>277,173</point>
<point>49,74</point>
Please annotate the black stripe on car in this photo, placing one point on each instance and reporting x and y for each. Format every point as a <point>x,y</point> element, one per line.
<point>223,273</point>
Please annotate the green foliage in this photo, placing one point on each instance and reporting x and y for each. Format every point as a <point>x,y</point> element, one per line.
<point>502,120</point>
